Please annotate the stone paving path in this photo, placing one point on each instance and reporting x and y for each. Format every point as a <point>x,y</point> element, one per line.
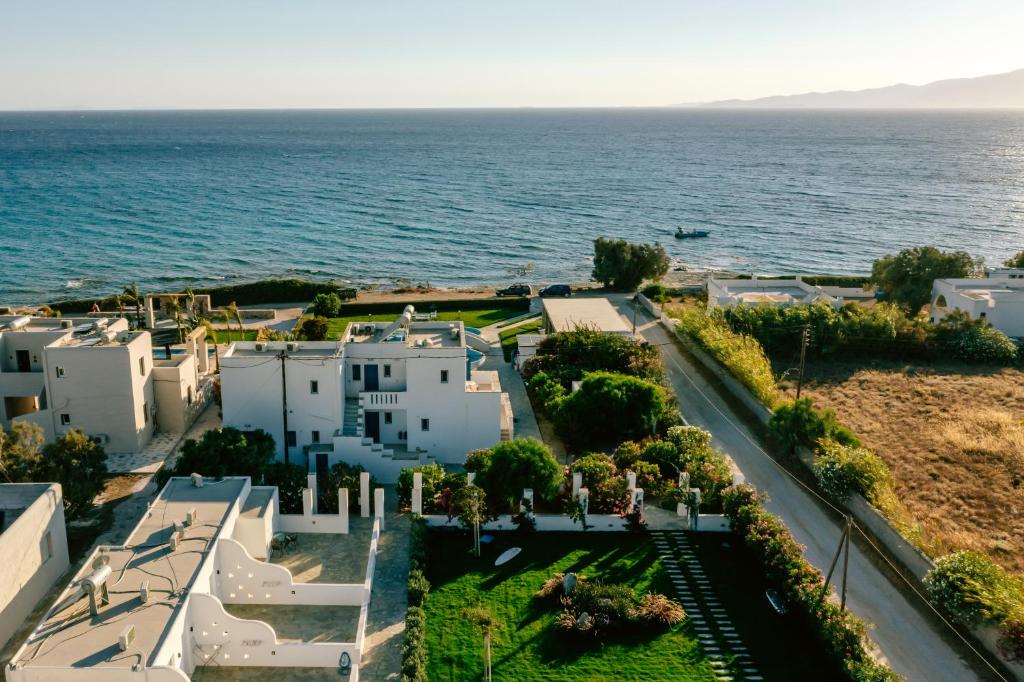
<point>723,647</point>
<point>149,460</point>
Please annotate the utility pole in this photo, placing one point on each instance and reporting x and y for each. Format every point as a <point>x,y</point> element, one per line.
<point>844,545</point>
<point>805,338</point>
<point>284,402</point>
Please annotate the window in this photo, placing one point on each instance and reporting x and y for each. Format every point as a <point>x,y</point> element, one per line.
<point>291,439</point>
<point>65,419</point>
<point>314,387</point>
<point>357,372</point>
<point>387,371</point>
<point>142,366</point>
<point>191,395</point>
<point>145,412</point>
<point>424,424</point>
<point>444,376</point>
<point>46,547</point>
<point>983,315</point>
<point>60,372</point>
<point>387,418</point>
<point>316,436</point>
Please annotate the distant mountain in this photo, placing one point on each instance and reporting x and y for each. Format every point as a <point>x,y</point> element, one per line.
<point>1005,90</point>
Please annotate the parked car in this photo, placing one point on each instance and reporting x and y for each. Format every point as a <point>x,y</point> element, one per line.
<point>556,290</point>
<point>515,290</point>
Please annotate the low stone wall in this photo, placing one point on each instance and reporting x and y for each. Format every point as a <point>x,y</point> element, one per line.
<point>248,314</point>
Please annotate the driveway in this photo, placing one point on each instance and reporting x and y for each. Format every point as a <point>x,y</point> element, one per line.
<point>912,641</point>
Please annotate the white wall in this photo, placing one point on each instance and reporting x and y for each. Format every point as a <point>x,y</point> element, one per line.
<point>104,392</point>
<point>26,573</point>
<point>171,385</point>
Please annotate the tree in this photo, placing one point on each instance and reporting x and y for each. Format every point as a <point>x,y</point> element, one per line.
<point>621,265</point>
<point>78,464</point>
<point>173,308</point>
<point>19,451</point>
<point>609,408</point>
<point>907,277</point>
<point>234,312</point>
<point>133,297</point>
<point>225,452</point>
<point>1016,262</point>
<point>487,623</point>
<point>567,356</point>
<point>314,328</point>
<point>325,305</point>
<point>799,424</point>
<point>470,505</point>
<point>518,464</point>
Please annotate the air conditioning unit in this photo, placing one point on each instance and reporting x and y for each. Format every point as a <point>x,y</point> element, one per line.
<point>291,346</point>
<point>259,346</point>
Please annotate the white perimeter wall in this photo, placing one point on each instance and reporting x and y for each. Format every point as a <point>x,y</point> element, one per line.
<point>26,575</point>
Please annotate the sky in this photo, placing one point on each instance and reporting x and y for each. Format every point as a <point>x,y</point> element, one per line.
<point>204,54</point>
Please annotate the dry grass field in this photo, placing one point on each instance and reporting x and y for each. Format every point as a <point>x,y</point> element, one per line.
<point>954,439</point>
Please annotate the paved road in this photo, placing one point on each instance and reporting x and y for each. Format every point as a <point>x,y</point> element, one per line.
<point>911,642</point>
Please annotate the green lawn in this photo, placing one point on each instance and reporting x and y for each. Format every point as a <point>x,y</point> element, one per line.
<point>525,648</point>
<point>508,336</point>
<point>471,318</point>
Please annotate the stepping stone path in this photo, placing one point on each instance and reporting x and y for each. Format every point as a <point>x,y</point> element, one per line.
<point>725,651</point>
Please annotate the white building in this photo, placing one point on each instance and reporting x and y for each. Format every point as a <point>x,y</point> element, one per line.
<point>568,314</point>
<point>998,299</point>
<point>34,547</point>
<point>772,292</point>
<point>196,584</point>
<point>96,376</point>
<point>385,397</point>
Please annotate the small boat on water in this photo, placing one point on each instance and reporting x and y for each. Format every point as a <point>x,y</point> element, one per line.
<point>691,234</point>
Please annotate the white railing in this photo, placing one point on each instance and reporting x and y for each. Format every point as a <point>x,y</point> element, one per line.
<point>380,399</point>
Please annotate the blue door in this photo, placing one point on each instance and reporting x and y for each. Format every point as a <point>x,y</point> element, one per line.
<point>371,380</point>
<point>372,421</point>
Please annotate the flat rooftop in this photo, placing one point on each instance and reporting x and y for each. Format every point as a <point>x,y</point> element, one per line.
<point>70,637</point>
<point>15,498</point>
<point>413,335</point>
<point>567,314</point>
<point>269,349</point>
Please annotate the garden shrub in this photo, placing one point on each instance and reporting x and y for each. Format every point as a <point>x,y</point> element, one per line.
<point>974,340</point>
<point>568,356</point>
<point>313,329</point>
<point>609,407</point>
<point>325,305</point>
<point>798,424</point>
<point>972,588</point>
<point>1011,641</point>
<point>655,292</point>
<point>547,393</point>
<point>742,355</point>
<point>601,478</point>
<point>626,454</point>
<point>414,646</point>
<point>341,475</point>
<point>845,469</point>
<point>433,475</point>
<point>508,468</point>
<point>599,610</point>
<point>417,587</point>
<point>649,479</point>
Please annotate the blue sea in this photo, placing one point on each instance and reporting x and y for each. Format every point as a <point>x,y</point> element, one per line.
<point>92,201</point>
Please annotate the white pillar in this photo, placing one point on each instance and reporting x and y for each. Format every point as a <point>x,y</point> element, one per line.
<point>637,500</point>
<point>311,484</point>
<point>584,500</point>
<point>695,516</point>
<point>526,504</point>
<point>471,478</point>
<point>343,509</point>
<point>630,480</point>
<point>378,506</point>
<point>307,502</point>
<point>684,481</point>
<point>577,483</point>
<point>364,494</point>
<point>417,493</point>
<point>738,478</point>
<point>204,356</point>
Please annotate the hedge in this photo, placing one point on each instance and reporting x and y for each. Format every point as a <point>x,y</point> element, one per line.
<point>396,307</point>
<point>414,646</point>
<point>843,635</point>
<point>250,293</point>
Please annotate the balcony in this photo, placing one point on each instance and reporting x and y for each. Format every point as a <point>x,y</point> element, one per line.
<point>383,400</point>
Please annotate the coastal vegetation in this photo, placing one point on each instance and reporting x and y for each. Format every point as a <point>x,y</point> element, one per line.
<point>1016,262</point>
<point>906,278</point>
<point>623,266</point>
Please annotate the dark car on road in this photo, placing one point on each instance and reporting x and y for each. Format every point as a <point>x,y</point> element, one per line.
<point>515,290</point>
<point>556,290</point>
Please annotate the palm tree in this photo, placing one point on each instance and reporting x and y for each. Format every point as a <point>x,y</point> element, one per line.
<point>482,617</point>
<point>237,314</point>
<point>131,293</point>
<point>173,308</point>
